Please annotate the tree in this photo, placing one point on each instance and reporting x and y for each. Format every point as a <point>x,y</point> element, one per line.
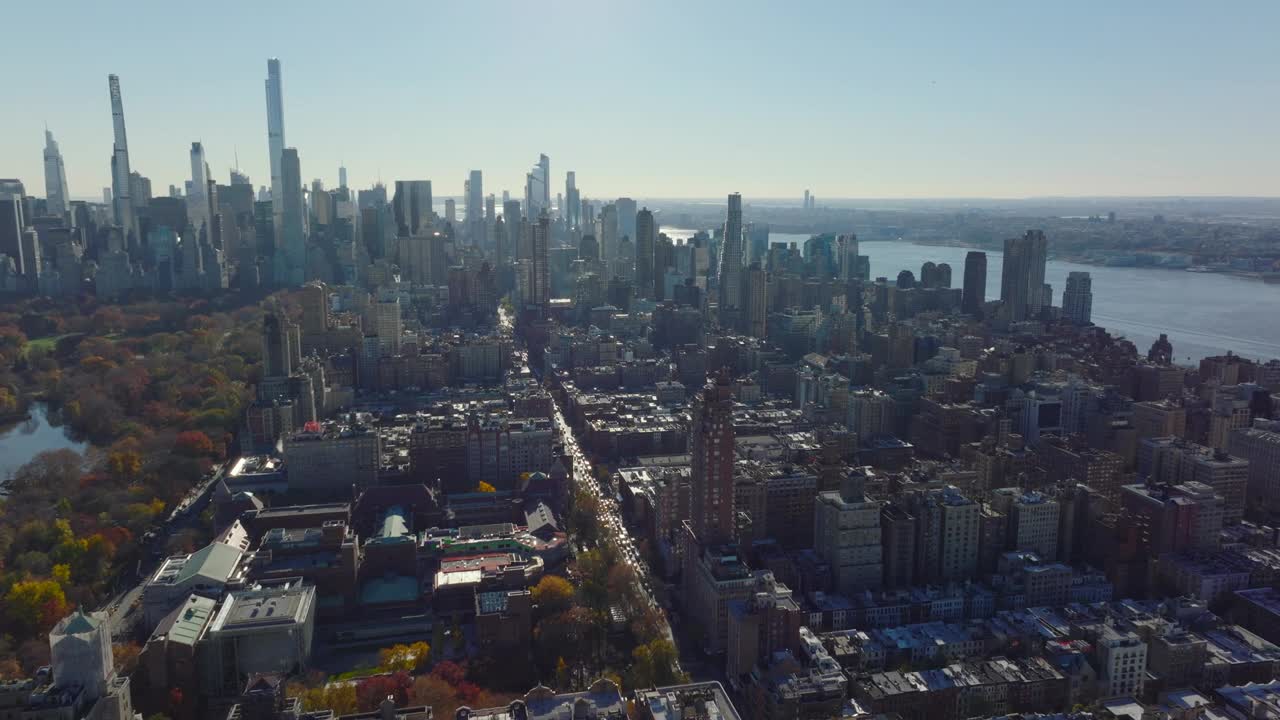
<point>405,658</point>
<point>193,443</point>
<point>485,487</point>
<point>435,693</point>
<point>34,605</point>
<point>125,657</point>
<point>562,674</point>
<point>371,691</point>
<point>450,672</point>
<point>553,594</point>
<point>653,664</point>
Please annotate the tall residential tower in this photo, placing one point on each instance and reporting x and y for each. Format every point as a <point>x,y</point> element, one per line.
<point>275,138</point>
<point>122,198</point>
<point>730,297</point>
<point>55,177</point>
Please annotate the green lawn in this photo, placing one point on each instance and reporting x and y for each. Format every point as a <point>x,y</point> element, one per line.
<point>45,343</point>
<point>48,342</point>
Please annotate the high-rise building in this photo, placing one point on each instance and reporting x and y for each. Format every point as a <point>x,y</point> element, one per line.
<point>958,549</point>
<point>387,325</point>
<point>1077,299</point>
<point>1159,418</point>
<point>573,202</point>
<point>412,207</point>
<point>342,178</point>
<point>11,230</point>
<point>1261,449</point>
<point>198,213</point>
<point>511,220</point>
<point>847,536</point>
<point>315,313</point>
<point>626,218</point>
<point>537,188</point>
<point>1033,520</point>
<point>450,212</point>
<point>848,257</point>
<point>975,283</point>
<point>646,243</point>
<point>541,245</point>
<point>608,234</point>
<point>290,260</point>
<point>475,207</point>
<point>1170,460</point>
<point>122,198</point>
<point>277,361</point>
<point>1174,518</point>
<point>712,447</point>
<point>57,196</point>
<point>1022,278</point>
<point>275,141</point>
<point>730,274</point>
<point>757,300</point>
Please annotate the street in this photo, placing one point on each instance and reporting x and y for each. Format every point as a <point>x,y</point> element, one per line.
<point>615,531</point>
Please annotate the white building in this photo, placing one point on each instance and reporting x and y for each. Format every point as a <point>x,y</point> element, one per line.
<point>80,648</point>
<point>1123,659</point>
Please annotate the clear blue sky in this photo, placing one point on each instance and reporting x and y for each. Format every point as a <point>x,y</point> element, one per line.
<point>694,98</point>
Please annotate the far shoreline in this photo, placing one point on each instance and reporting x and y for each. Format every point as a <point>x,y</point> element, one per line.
<point>1241,274</point>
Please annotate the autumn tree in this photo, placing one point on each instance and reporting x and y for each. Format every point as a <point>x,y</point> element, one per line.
<point>405,658</point>
<point>32,606</point>
<point>371,691</point>
<point>653,664</point>
<point>193,443</point>
<point>553,594</point>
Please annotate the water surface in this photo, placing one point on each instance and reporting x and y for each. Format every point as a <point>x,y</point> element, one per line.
<point>24,440</point>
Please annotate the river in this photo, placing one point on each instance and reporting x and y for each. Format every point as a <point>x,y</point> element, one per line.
<point>24,440</point>
<point>1203,313</point>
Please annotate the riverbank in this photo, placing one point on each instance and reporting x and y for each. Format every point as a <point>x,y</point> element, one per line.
<point>1267,277</point>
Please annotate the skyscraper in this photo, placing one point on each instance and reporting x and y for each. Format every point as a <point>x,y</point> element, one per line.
<point>11,230</point>
<point>412,207</point>
<point>573,203</point>
<point>291,244</point>
<point>475,207</point>
<point>757,297</point>
<point>1077,299</point>
<point>537,188</point>
<point>275,139</point>
<point>646,241</point>
<point>848,257</point>
<point>626,218</point>
<point>122,199</point>
<point>55,177</point>
<point>276,358</point>
<point>730,297</point>
<point>511,221</point>
<point>608,232</point>
<point>342,178</point>
<point>712,439</point>
<point>975,283</point>
<point>1022,278</point>
<point>198,213</point>
<point>541,243</point>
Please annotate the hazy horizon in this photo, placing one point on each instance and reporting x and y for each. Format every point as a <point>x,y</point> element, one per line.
<point>668,101</point>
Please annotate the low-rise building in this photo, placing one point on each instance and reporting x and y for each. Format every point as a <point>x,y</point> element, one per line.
<point>267,628</point>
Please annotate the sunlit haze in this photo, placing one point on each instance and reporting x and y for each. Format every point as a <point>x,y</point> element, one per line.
<point>666,99</point>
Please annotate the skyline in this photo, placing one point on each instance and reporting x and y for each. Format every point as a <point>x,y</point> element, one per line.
<point>1030,102</point>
